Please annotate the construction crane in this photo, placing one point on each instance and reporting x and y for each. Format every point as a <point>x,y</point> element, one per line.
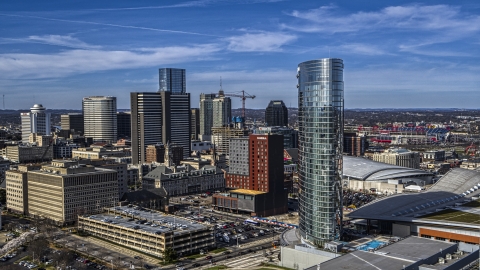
<point>244,96</point>
<point>471,150</point>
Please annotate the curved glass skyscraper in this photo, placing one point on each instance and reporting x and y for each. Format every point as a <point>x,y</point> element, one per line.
<point>320,119</point>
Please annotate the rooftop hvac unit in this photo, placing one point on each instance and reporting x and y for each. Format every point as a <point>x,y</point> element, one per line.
<point>441,260</point>
<point>448,256</point>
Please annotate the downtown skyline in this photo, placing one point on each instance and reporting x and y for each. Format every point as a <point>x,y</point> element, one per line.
<point>401,55</point>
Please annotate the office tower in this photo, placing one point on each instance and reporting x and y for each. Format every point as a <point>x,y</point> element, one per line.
<point>124,126</point>
<point>156,153</point>
<point>320,120</point>
<point>73,190</point>
<point>276,114</point>
<point>195,123</point>
<point>176,120</point>
<point>159,117</point>
<point>206,114</point>
<point>222,110</point>
<point>172,80</point>
<point>72,121</point>
<point>100,118</point>
<point>35,121</point>
<point>146,114</point>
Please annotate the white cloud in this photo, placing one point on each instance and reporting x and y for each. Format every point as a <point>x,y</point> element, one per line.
<point>34,66</point>
<point>363,49</point>
<point>59,40</point>
<point>427,52</point>
<point>416,17</point>
<point>259,42</point>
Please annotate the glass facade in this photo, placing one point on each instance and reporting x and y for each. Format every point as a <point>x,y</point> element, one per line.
<point>320,119</point>
<point>100,118</point>
<point>172,80</point>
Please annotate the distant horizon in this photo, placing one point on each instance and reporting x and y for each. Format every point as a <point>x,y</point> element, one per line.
<point>120,109</point>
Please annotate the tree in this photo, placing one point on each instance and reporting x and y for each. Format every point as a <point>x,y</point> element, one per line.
<point>37,247</point>
<point>169,255</point>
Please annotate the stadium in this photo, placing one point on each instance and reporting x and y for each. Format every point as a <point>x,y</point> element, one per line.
<point>449,210</point>
<point>365,174</point>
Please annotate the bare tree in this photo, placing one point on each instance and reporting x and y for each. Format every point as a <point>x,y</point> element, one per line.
<point>37,248</point>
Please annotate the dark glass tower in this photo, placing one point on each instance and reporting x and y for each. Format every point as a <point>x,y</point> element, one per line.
<point>276,114</point>
<point>172,80</point>
<point>320,119</point>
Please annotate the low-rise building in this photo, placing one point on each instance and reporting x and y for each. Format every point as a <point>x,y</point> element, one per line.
<point>400,157</point>
<point>64,150</point>
<point>434,155</point>
<point>179,234</point>
<point>25,153</point>
<point>180,180</point>
<point>97,152</point>
<point>470,165</point>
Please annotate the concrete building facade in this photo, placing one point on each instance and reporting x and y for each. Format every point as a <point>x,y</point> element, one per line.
<point>400,157</point>
<point>64,189</point>
<point>36,121</point>
<point>184,179</point>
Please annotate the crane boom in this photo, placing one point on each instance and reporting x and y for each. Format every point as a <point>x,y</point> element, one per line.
<point>244,96</point>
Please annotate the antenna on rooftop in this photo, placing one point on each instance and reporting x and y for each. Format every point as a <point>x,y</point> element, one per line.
<point>221,83</point>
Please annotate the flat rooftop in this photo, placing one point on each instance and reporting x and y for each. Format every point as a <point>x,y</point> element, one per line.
<point>394,256</point>
<point>247,191</point>
<point>165,222</point>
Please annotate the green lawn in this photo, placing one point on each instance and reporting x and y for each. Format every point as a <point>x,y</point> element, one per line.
<point>218,250</point>
<point>195,256</point>
<point>455,215</point>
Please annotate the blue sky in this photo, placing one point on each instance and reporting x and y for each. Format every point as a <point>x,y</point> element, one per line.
<point>397,54</point>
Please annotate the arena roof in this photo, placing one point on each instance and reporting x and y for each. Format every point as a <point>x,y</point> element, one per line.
<point>369,170</point>
<point>407,252</point>
<point>457,186</point>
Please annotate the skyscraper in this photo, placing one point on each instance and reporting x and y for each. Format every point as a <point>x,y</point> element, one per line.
<point>320,119</point>
<point>276,114</point>
<point>172,80</point>
<point>146,113</point>
<point>176,120</point>
<point>124,125</point>
<point>195,123</point>
<point>100,118</point>
<point>72,121</point>
<point>222,110</point>
<point>159,117</point>
<point>206,114</point>
<point>35,121</point>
